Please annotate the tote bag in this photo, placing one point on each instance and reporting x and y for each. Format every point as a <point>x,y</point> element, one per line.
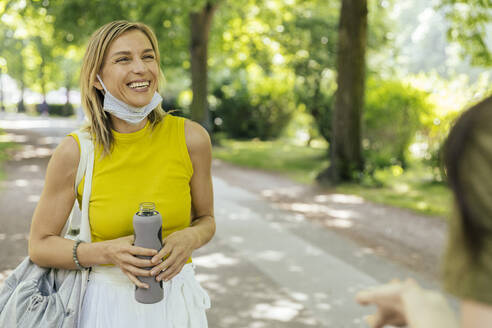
<point>33,296</point>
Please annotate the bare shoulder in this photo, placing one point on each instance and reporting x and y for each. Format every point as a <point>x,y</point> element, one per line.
<point>197,138</point>
<point>66,156</point>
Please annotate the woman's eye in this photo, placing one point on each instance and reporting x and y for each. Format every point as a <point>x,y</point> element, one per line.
<point>149,57</point>
<point>122,59</point>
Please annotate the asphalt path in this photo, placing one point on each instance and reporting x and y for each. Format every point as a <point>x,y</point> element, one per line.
<point>265,267</point>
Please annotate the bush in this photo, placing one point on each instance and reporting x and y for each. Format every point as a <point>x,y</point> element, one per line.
<point>56,109</point>
<point>391,118</point>
<point>258,108</point>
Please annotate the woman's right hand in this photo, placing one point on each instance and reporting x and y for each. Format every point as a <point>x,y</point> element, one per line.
<point>123,253</point>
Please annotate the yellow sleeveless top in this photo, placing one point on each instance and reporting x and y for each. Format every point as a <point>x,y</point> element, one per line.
<point>150,165</point>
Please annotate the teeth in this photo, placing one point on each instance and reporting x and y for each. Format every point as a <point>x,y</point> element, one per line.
<point>135,85</point>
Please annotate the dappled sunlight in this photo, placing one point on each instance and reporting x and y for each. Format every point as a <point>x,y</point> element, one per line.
<point>21,183</point>
<point>320,209</point>
<point>271,255</point>
<point>242,214</point>
<point>313,251</point>
<point>49,140</point>
<point>339,198</point>
<point>30,151</point>
<point>340,223</point>
<point>33,198</point>
<point>243,296</point>
<point>214,260</point>
<point>236,239</point>
<point>401,188</point>
<point>363,251</point>
<point>296,268</point>
<point>13,138</point>
<point>30,168</point>
<point>289,192</point>
<point>281,310</point>
<point>36,122</point>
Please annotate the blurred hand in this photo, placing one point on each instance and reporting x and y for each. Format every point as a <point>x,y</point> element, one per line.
<point>177,249</point>
<point>122,253</point>
<point>388,299</point>
<point>406,303</point>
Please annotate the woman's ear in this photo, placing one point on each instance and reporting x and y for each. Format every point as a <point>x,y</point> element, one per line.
<point>97,85</point>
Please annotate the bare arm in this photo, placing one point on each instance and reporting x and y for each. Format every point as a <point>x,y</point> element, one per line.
<point>475,315</point>
<point>407,304</point>
<point>203,222</point>
<point>48,249</point>
<point>181,244</point>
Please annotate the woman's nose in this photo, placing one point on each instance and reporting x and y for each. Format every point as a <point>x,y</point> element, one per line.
<point>139,66</point>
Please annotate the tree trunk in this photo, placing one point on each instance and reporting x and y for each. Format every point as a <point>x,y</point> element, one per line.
<point>20,106</point>
<point>345,146</point>
<point>67,94</point>
<point>200,29</point>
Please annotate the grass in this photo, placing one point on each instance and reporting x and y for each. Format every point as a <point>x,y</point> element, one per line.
<point>4,146</point>
<point>297,162</point>
<point>412,189</point>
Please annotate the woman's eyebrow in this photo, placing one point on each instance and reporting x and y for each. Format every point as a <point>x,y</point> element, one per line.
<point>126,52</point>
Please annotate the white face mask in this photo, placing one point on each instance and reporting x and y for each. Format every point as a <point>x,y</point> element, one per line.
<point>126,112</point>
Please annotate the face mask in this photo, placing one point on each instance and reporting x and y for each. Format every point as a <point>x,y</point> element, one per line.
<point>126,112</point>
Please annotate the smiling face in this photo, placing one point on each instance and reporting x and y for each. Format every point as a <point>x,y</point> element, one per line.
<point>130,70</point>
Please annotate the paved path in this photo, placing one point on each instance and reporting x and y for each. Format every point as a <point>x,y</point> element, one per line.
<point>268,265</point>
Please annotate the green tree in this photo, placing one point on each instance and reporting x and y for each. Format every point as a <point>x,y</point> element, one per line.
<point>345,146</point>
<point>470,26</point>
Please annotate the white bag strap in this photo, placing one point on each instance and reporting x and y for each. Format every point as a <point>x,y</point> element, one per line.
<point>77,225</point>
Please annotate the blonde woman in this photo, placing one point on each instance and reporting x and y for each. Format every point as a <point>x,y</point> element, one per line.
<point>141,154</point>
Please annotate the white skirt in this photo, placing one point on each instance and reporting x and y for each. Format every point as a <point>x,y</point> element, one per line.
<point>109,301</point>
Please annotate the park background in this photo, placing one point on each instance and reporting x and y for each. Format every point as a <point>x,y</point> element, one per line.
<point>261,76</point>
<point>280,85</point>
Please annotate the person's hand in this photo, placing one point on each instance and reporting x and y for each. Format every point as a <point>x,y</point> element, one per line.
<point>122,253</point>
<point>406,303</point>
<point>178,247</point>
<point>388,299</point>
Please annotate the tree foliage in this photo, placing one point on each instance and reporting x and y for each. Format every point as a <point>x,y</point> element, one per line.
<point>470,25</point>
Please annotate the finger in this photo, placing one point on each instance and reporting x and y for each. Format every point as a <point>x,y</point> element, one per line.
<point>170,273</point>
<point>135,280</point>
<point>165,251</point>
<point>135,250</point>
<point>164,265</point>
<point>137,271</point>
<point>375,320</point>
<point>141,263</point>
<point>364,297</point>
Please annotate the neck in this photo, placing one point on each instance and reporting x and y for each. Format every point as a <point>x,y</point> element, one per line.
<point>124,127</point>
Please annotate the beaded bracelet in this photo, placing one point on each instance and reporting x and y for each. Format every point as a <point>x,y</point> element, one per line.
<point>74,255</point>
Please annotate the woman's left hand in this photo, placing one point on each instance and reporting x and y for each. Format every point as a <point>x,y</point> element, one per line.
<point>178,247</point>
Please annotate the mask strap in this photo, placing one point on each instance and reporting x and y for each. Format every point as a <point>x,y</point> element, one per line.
<point>104,87</point>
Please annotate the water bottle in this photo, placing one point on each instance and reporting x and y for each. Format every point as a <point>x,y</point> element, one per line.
<point>147,225</point>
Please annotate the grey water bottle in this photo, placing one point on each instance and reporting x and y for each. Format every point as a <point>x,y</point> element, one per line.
<point>147,225</point>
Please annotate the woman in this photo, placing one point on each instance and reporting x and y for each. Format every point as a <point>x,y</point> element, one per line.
<point>141,155</point>
<point>468,260</point>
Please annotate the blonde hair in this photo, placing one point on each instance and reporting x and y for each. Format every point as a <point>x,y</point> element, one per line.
<point>92,99</point>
